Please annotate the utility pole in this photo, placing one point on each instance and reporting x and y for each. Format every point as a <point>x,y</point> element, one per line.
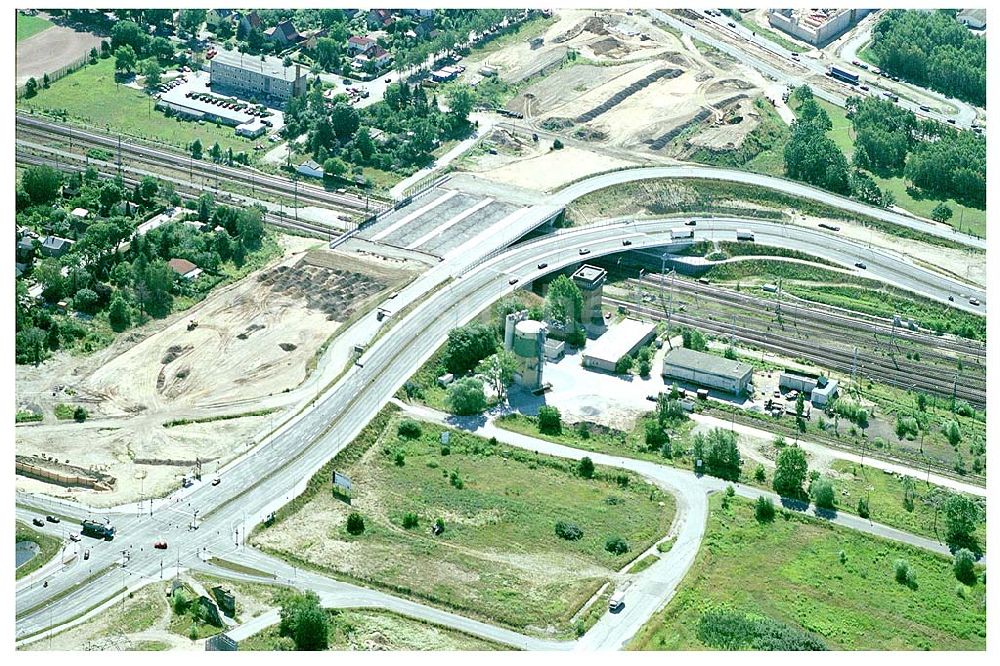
<point>119,155</point>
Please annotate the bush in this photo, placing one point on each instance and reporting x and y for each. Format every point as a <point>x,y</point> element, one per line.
<point>557,145</point>
<point>568,531</point>
<point>821,492</point>
<point>549,420</point>
<point>400,459</point>
<point>466,396</point>
<point>410,521</point>
<point>863,508</point>
<point>726,629</point>
<point>80,414</point>
<point>456,481</point>
<point>965,566</point>
<point>409,429</point>
<point>586,468</point>
<point>764,509</point>
<point>616,545</point>
<point>905,575</point>
<point>760,474</point>
<point>355,523</point>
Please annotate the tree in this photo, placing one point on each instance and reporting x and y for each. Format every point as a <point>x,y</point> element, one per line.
<point>148,189</point>
<point>48,273</point>
<point>654,436</point>
<point>564,302</point>
<point>718,453</point>
<point>467,345</point>
<point>196,149</point>
<point>30,88</point>
<point>344,120</point>
<point>586,467</point>
<point>85,300</point>
<point>466,396</point>
<point>557,144</point>
<point>287,62</point>
<point>953,432</point>
<point>790,472</point>
<point>304,621</point>
<point>961,515</point>
<point>498,369</point>
<point>333,167</point>
<point>80,414</point>
<point>190,20</point>
<point>941,213</point>
<point>460,102</point>
<point>125,59</point>
<point>764,509</point>
<point>964,566</point>
<point>41,184</point>
<point>215,152</point>
<point>549,420</point>
<point>355,523</point>
<point>821,492</point>
<point>693,339</point>
<point>119,314</point>
<point>152,71</point>
<point>30,346</point>
<point>154,288</point>
<point>128,34</point>
<point>624,365</point>
<point>46,80</point>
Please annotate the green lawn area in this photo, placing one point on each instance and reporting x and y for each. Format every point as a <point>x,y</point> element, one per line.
<point>498,558</point>
<point>792,572</point>
<point>885,493</point>
<point>28,26</point>
<point>91,96</point>
<point>48,545</point>
<point>379,630</point>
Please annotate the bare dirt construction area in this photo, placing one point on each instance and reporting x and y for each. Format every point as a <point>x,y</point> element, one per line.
<point>731,128</point>
<point>202,385</point>
<point>51,50</point>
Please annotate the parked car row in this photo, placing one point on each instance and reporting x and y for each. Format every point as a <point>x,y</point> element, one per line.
<point>164,87</point>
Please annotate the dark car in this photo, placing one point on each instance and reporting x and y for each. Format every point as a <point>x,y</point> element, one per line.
<point>951,121</point>
<point>691,223</point>
<point>52,519</point>
<point>951,298</point>
<point>584,250</point>
<point>512,281</point>
<point>924,107</point>
<point>216,481</point>
<point>38,522</point>
<point>860,265</point>
<point>626,242</point>
<point>160,545</point>
<point>542,265</point>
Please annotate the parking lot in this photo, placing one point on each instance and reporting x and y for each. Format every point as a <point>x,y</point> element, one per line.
<point>191,93</point>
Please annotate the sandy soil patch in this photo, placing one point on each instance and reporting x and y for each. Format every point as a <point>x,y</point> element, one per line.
<point>547,170</point>
<point>253,345</point>
<point>731,129</point>
<point>51,50</point>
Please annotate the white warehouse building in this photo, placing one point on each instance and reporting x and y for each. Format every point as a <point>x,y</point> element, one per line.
<point>623,338</point>
<point>707,370</point>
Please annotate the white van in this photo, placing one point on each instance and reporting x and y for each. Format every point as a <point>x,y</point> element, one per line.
<point>617,600</point>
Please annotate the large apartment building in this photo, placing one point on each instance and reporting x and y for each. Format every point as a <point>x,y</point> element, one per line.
<point>249,76</point>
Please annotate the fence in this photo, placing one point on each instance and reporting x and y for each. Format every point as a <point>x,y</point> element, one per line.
<point>20,91</point>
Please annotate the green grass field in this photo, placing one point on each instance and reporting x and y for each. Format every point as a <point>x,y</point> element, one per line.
<point>791,571</point>
<point>364,630</point>
<point>498,558</point>
<point>28,26</point>
<point>91,96</point>
<point>48,545</point>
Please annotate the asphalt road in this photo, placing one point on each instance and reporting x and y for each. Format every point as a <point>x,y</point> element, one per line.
<point>278,469</point>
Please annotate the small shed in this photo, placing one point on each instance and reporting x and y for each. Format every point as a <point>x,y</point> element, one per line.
<point>184,268</point>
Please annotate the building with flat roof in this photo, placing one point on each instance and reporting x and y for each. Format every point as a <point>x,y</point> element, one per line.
<point>707,370</point>
<point>974,19</point>
<point>590,280</point>
<point>253,76</point>
<point>619,340</point>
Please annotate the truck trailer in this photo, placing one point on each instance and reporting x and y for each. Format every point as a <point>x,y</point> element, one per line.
<point>97,530</point>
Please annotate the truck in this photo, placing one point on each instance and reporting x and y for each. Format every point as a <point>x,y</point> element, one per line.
<point>617,600</point>
<point>97,530</point>
<point>744,235</point>
<point>681,233</point>
<point>843,75</point>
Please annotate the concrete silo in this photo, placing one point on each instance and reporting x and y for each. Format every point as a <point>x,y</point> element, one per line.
<point>529,349</point>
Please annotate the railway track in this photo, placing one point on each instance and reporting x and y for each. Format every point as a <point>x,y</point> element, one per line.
<point>834,320</point>
<point>839,360</point>
<point>307,194</point>
<point>273,219</point>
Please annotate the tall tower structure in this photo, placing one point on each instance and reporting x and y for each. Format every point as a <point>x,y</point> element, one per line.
<point>529,349</point>
<point>590,280</point>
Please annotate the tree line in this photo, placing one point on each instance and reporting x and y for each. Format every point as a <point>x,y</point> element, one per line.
<point>933,50</point>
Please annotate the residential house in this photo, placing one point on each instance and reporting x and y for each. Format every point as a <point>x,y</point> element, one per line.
<point>310,168</point>
<point>380,56</point>
<point>25,250</point>
<point>250,21</point>
<point>184,268</point>
<point>216,17</point>
<point>357,45</point>
<point>284,34</point>
<point>380,18</point>
<point>80,213</point>
<point>311,37</point>
<point>54,246</point>
<point>422,13</point>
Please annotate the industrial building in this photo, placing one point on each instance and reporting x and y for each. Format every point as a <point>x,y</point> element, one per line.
<point>619,340</point>
<point>707,370</point>
<point>815,26</point>
<point>263,78</point>
<point>821,390</point>
<point>590,280</point>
